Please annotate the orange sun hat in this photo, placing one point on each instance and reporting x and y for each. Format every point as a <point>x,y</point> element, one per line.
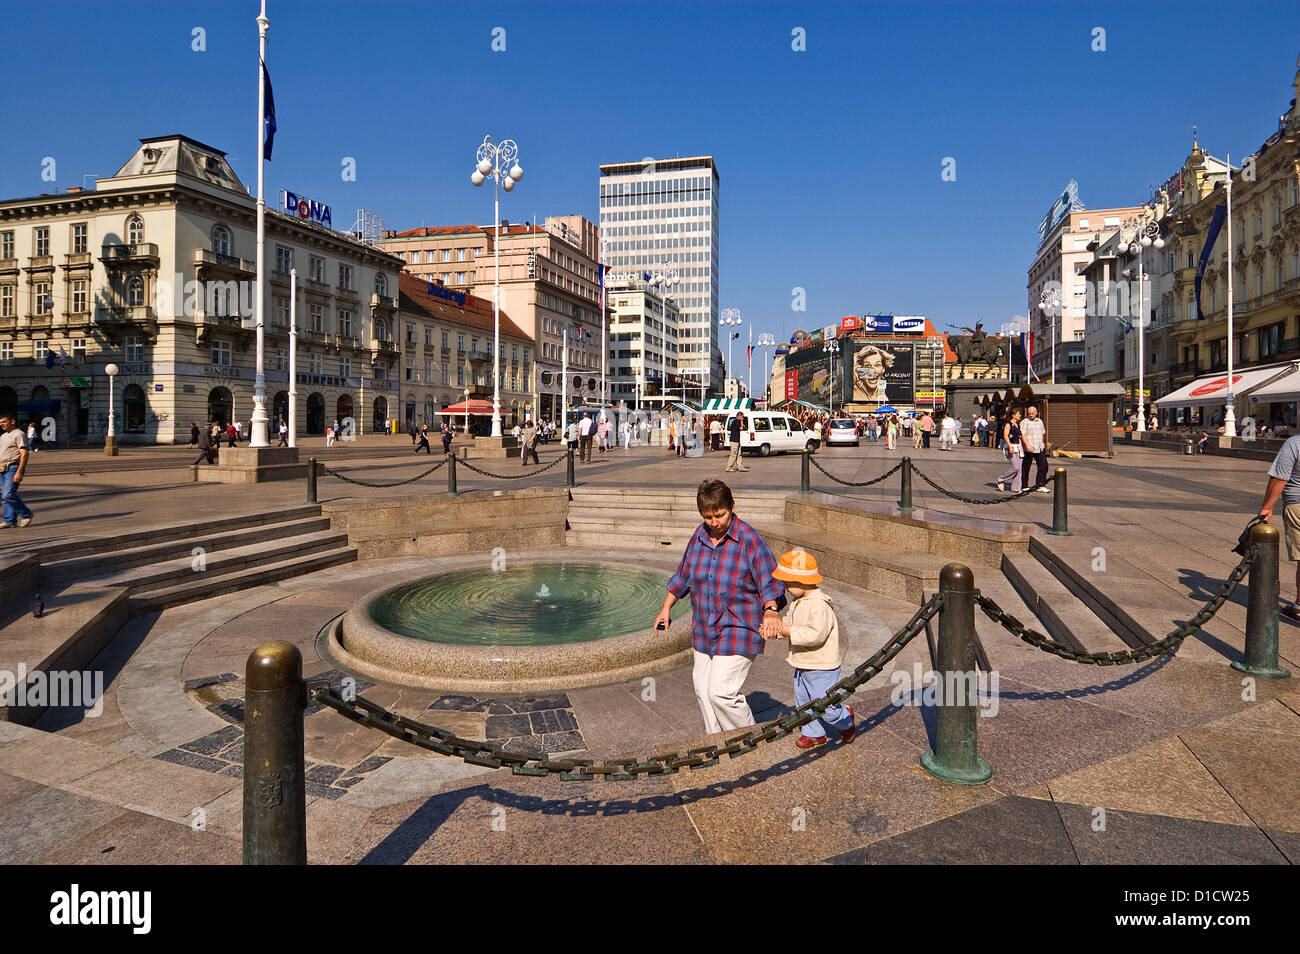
<point>796,566</point>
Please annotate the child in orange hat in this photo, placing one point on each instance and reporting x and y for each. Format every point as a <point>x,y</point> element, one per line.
<point>814,632</point>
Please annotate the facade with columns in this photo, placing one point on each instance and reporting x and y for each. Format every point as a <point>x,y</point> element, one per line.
<point>153,271</point>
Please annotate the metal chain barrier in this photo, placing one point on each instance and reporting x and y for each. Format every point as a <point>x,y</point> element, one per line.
<point>526,473</point>
<point>1164,647</point>
<point>853,483</point>
<point>971,500</point>
<point>429,737</point>
<point>321,468</point>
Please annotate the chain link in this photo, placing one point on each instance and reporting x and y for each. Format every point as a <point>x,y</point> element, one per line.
<point>323,469</point>
<point>971,500</point>
<point>527,473</point>
<point>365,712</point>
<point>1164,647</point>
<point>852,483</point>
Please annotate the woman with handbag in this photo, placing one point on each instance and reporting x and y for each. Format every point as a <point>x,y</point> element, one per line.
<point>1014,451</point>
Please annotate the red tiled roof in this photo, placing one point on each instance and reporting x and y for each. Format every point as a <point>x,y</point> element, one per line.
<point>443,230</point>
<point>477,313</point>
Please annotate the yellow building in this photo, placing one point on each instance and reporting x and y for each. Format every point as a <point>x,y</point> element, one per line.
<point>1265,262</point>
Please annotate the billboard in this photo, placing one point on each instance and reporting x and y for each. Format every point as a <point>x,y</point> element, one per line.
<point>882,372</point>
<point>909,324</point>
<point>808,376</point>
<point>880,324</point>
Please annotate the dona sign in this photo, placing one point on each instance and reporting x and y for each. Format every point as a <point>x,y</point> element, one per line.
<point>306,208</point>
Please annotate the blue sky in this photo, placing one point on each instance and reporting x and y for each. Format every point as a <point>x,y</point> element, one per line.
<point>830,158</point>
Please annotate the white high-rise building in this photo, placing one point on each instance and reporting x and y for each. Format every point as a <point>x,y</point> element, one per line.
<point>665,211</point>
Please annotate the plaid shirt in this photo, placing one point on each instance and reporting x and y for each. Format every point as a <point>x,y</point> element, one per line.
<point>1034,434</point>
<point>728,585</point>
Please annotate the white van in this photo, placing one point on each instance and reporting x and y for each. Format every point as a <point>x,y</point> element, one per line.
<point>768,431</point>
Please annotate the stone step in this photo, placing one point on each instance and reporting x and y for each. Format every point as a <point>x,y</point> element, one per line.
<point>666,539</point>
<point>207,587</point>
<point>168,572</point>
<point>79,546</point>
<point>666,515</point>
<point>1065,617</point>
<point>95,565</point>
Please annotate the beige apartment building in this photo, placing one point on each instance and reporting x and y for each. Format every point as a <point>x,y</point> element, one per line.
<point>550,283</point>
<point>1068,236</point>
<point>445,343</point>
<point>642,345</point>
<point>153,271</point>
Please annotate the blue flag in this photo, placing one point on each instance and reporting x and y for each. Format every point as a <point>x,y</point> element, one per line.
<point>1216,223</point>
<point>269,118</point>
<point>49,360</point>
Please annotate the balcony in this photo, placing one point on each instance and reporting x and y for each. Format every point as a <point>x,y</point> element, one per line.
<point>118,320</point>
<point>204,325</point>
<point>347,294</point>
<point>77,261</point>
<point>40,263</point>
<point>479,357</point>
<point>383,346</point>
<point>1183,367</point>
<point>38,323</point>
<point>8,266</point>
<point>430,349</point>
<point>409,346</point>
<point>380,303</point>
<point>137,253</point>
<point>210,261</point>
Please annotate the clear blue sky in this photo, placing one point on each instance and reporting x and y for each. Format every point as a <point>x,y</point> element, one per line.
<point>830,158</point>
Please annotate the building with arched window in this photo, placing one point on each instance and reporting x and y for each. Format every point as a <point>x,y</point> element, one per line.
<point>154,271</point>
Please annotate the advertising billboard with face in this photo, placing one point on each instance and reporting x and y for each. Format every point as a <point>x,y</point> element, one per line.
<point>882,372</point>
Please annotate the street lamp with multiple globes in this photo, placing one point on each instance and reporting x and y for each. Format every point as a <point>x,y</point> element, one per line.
<point>1144,235</point>
<point>498,162</point>
<point>765,340</point>
<point>663,280</point>
<point>731,318</point>
<point>1049,302</point>
<point>831,349</point>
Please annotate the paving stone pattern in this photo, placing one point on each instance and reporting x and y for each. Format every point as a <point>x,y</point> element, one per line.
<point>542,725</point>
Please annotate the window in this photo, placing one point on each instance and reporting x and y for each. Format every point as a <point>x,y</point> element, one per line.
<point>79,350</point>
<point>79,240</point>
<point>316,362</point>
<point>6,244</point>
<point>281,314</point>
<point>446,342</point>
<point>134,230</point>
<point>428,372</point>
<point>446,255</point>
<point>460,255</point>
<point>41,291</point>
<point>381,285</point>
<point>345,277</point>
<point>460,375</point>
<point>6,350</point>
<point>316,268</point>
<point>345,324</point>
<point>135,291</point>
<point>410,369</point>
<point>446,373</point>
<point>42,349</point>
<point>220,240</point>
<point>42,243</point>
<point>133,351</point>
<point>281,359</point>
<point>345,367</point>
<point>80,296</point>
<point>317,320</point>
<point>460,278</point>
<point>410,333</point>
<point>283,259</point>
<point>6,301</point>
<point>428,257</point>
<point>221,353</point>
<point>460,342</point>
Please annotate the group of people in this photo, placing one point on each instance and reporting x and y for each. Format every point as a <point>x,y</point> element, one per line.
<point>208,437</point>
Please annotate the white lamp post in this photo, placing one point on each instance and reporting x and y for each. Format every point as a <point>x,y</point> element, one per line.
<point>1049,302</point>
<point>766,340</point>
<point>258,434</point>
<point>831,348</point>
<point>110,439</point>
<point>1145,235</point>
<point>664,280</point>
<point>731,318</point>
<point>498,162</point>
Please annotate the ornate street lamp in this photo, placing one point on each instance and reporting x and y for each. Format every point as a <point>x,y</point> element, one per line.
<point>731,318</point>
<point>1049,302</point>
<point>1144,235</point>
<point>498,162</point>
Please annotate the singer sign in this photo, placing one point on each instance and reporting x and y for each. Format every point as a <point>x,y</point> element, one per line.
<point>308,209</point>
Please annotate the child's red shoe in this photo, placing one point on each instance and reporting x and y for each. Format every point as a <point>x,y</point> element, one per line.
<point>808,742</point>
<point>846,735</point>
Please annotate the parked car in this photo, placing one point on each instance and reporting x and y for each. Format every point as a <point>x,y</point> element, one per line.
<point>843,430</point>
<point>770,431</point>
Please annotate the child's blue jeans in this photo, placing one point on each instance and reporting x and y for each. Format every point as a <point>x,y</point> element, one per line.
<point>812,684</point>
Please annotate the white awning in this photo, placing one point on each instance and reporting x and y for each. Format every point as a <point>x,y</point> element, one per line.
<point>714,405</point>
<point>1279,390</point>
<point>1213,389</point>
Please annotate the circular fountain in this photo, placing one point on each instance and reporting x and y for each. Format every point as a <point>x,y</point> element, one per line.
<point>538,627</point>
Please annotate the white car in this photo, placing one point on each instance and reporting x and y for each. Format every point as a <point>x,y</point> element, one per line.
<point>843,431</point>
<point>766,432</point>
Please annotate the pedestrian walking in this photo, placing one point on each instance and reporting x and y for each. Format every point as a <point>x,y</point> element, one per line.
<point>947,433</point>
<point>423,442</point>
<point>206,449</point>
<point>13,466</point>
<point>1033,436</point>
<point>626,429</point>
<point>284,433</point>
<point>816,655</point>
<point>715,433</point>
<point>31,437</point>
<point>1012,451</point>
<point>927,428</point>
<point>892,433</point>
<point>736,425</point>
<point>194,435</point>
<point>727,572</point>
<point>1284,482</point>
<point>446,438</point>
<point>528,445</point>
<point>585,434</point>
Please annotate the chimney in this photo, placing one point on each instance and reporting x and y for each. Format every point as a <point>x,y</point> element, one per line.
<point>505,225</point>
<point>73,190</point>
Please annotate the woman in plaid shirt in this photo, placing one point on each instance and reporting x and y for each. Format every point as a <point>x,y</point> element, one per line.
<point>727,570</point>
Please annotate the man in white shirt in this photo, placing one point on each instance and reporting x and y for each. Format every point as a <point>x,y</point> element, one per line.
<point>584,439</point>
<point>1033,435</point>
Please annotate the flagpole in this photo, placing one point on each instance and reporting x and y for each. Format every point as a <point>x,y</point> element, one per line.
<point>258,437</point>
<point>1230,411</point>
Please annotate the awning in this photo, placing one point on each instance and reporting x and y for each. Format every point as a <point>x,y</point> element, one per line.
<point>684,408</point>
<point>719,405</point>
<point>475,407</point>
<point>1280,390</point>
<point>812,407</point>
<point>1213,389</point>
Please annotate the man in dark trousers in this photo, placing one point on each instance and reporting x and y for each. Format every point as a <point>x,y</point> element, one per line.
<point>205,445</point>
<point>733,434</point>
